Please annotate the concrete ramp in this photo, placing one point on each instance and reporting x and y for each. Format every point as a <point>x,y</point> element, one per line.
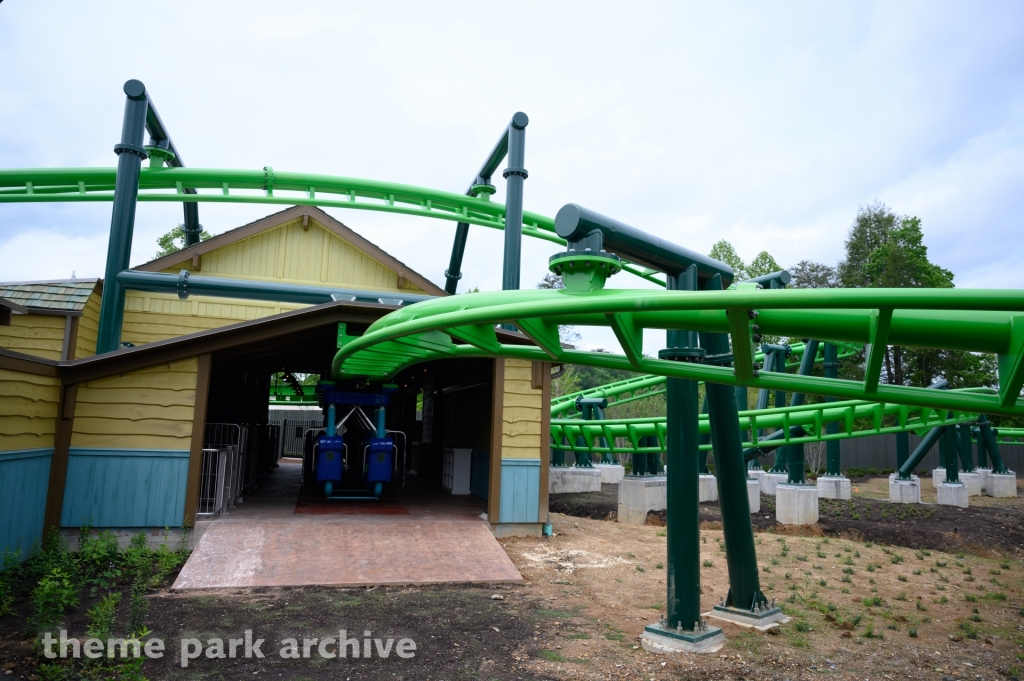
<point>391,550</point>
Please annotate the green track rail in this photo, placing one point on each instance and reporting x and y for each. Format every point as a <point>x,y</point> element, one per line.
<point>34,185</point>
<point>623,436</point>
<point>973,320</point>
<point>627,390</point>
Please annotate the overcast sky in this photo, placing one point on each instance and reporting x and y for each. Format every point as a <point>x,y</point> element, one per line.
<point>766,124</point>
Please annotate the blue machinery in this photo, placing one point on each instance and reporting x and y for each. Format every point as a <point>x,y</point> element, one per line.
<point>335,471</point>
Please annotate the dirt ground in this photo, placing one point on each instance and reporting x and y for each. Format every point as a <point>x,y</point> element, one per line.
<point>862,608</point>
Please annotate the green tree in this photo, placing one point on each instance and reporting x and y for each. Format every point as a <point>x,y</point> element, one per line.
<point>809,274</point>
<point>724,251</point>
<point>886,250</point>
<point>174,240</point>
<point>763,263</point>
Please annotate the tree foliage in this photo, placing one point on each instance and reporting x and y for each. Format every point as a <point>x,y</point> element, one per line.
<point>174,240</point>
<point>724,251</point>
<point>762,264</point>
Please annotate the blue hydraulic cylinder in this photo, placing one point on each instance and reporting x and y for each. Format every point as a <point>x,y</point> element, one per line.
<point>379,460</point>
<point>328,461</point>
<point>380,423</point>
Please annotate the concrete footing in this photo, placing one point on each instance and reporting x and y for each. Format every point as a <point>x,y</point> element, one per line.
<point>1002,484</point>
<point>569,479</point>
<point>973,482</point>
<point>708,488</point>
<point>761,621</point>
<point>953,494</point>
<point>938,477</point>
<point>834,487</point>
<point>640,494</point>
<point>796,504</point>
<point>659,639</point>
<point>611,473</point>
<point>757,474</point>
<point>905,491</point>
<point>754,494</point>
<point>769,481</point>
<point>983,473</point>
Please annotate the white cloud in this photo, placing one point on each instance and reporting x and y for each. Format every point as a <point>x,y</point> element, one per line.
<point>763,124</point>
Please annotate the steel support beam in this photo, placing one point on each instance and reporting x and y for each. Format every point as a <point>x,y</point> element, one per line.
<point>130,155</point>
<point>832,447</point>
<point>682,506</point>
<point>515,176</point>
<point>731,472</point>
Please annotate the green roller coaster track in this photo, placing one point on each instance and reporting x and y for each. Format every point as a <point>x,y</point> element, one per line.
<point>972,320</point>
<point>270,187</point>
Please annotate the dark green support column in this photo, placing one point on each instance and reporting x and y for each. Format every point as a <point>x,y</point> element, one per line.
<point>682,443</point>
<point>934,435</point>
<point>130,155</point>
<point>454,271</point>
<point>964,445</point>
<point>983,461</point>
<point>942,449</point>
<point>583,458</point>
<point>795,458</point>
<point>986,434</point>
<point>832,447</point>
<point>640,459</point>
<point>558,456</point>
<point>902,449</point>
<point>731,473</point>
<point>705,439</point>
<point>515,175</point>
<point>952,465</point>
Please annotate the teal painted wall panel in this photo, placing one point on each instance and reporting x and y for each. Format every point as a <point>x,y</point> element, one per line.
<point>24,477</point>
<point>520,490</point>
<point>125,487</point>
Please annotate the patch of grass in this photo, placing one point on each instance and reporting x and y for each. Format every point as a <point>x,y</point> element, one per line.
<point>994,596</point>
<point>847,571</point>
<point>708,563</point>
<point>969,630</point>
<point>659,566</point>
<point>554,614</point>
<point>662,533</point>
<point>578,634</point>
<point>846,580</point>
<point>916,572</point>
<point>613,635</point>
<point>802,626</point>
<point>873,600</point>
<point>912,632</point>
<point>901,596</point>
<point>921,606</point>
<point>941,563</point>
<point>551,655</point>
<point>970,598</point>
<point>902,578</point>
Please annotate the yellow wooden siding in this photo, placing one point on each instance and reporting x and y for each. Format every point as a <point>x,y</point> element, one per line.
<point>288,253</point>
<point>88,326</point>
<point>150,317</point>
<point>150,408</point>
<point>28,410</point>
<point>521,412</point>
<point>34,334</point>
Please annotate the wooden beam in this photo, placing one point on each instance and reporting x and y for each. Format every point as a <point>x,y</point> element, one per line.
<point>59,463</point>
<point>73,340</point>
<point>545,438</point>
<point>195,459</point>
<point>497,426</point>
<point>197,262</point>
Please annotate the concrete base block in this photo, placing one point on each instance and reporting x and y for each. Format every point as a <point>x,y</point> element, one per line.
<point>1002,484</point>
<point>639,495</point>
<point>757,474</point>
<point>834,487</point>
<point>953,494</point>
<point>754,494</point>
<point>796,504</point>
<point>708,488</point>
<point>938,477</point>
<point>770,480</point>
<point>984,473</point>
<point>905,491</point>
<point>893,476</point>
<point>658,639</point>
<point>762,621</point>
<point>973,482</point>
<point>611,473</point>
<point>562,480</point>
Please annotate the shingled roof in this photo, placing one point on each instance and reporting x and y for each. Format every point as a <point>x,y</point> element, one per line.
<point>68,295</point>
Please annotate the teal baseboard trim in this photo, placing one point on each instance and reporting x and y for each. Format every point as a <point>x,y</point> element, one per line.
<point>520,491</point>
<point>108,487</point>
<point>12,454</point>
<point>24,481</point>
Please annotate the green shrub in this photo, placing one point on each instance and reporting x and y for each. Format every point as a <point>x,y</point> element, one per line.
<point>55,594</point>
<point>101,616</point>
<point>708,563</point>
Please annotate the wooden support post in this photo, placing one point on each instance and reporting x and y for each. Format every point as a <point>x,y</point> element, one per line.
<point>497,426</point>
<point>543,369</point>
<point>59,463</point>
<point>195,460</point>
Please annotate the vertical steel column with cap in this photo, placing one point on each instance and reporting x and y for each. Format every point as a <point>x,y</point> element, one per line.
<point>130,155</point>
<point>952,462</point>
<point>964,444</point>
<point>515,175</point>
<point>833,465</point>
<point>682,443</point>
<point>731,472</point>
